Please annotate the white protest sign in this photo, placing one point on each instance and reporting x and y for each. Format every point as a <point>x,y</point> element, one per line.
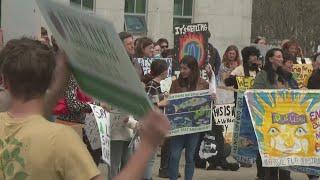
<point>97,56</point>
<point>165,85</point>
<point>224,96</point>
<point>92,131</point>
<point>103,121</point>
<point>225,115</point>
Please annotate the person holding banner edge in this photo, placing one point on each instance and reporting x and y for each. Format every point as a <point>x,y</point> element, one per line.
<point>271,78</point>
<point>188,80</point>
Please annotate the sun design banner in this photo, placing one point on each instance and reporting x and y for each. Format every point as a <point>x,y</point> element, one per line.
<point>192,39</point>
<point>189,112</point>
<point>245,146</point>
<point>287,126</point>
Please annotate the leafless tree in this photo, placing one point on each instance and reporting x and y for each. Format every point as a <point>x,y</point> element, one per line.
<point>287,19</point>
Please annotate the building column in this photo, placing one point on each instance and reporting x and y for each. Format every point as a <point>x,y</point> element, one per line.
<point>160,20</point>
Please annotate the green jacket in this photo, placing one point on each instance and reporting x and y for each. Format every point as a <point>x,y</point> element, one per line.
<point>261,82</point>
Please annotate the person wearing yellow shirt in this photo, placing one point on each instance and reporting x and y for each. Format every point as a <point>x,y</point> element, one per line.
<point>31,147</point>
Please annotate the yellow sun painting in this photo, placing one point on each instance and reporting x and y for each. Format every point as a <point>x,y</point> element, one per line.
<point>283,122</point>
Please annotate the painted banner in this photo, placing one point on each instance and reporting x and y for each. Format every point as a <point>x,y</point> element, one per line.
<point>287,126</point>
<point>92,131</point>
<point>192,39</point>
<point>103,121</point>
<point>245,146</point>
<point>224,96</point>
<point>97,56</point>
<point>244,83</point>
<point>224,115</point>
<point>301,72</point>
<point>146,65</point>
<point>189,112</point>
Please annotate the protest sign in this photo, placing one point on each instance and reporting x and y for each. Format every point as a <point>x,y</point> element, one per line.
<point>103,120</point>
<point>189,112</point>
<point>98,59</point>
<point>301,71</point>
<point>224,96</point>
<point>244,83</point>
<point>192,39</point>
<point>117,119</point>
<point>92,131</point>
<point>245,146</point>
<point>146,65</point>
<point>224,115</point>
<point>287,126</point>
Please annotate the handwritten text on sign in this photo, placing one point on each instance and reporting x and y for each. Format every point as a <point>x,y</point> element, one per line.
<point>103,121</point>
<point>225,115</point>
<point>92,131</point>
<point>245,83</point>
<point>301,72</point>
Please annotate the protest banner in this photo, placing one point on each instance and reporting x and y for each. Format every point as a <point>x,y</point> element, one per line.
<point>245,146</point>
<point>224,96</point>
<point>189,112</point>
<point>192,39</point>
<point>287,126</point>
<point>98,59</point>
<point>224,115</point>
<point>92,131</point>
<point>117,119</point>
<point>301,71</point>
<point>244,83</point>
<point>103,120</point>
<point>146,66</point>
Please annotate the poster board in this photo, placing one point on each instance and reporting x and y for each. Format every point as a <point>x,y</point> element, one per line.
<point>224,115</point>
<point>98,59</point>
<point>287,126</point>
<point>192,39</point>
<point>189,112</point>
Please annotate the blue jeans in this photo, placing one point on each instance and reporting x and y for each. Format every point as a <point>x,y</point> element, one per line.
<point>148,171</point>
<point>189,141</point>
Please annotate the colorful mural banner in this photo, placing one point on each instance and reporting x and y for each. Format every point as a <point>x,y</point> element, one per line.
<point>287,126</point>
<point>301,72</point>
<point>224,115</point>
<point>189,112</point>
<point>245,146</point>
<point>192,39</point>
<point>245,83</point>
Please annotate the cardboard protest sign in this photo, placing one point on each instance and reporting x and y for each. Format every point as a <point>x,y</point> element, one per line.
<point>117,119</point>
<point>99,61</point>
<point>224,115</point>
<point>301,71</point>
<point>244,83</point>
<point>245,146</point>
<point>287,126</point>
<point>146,65</point>
<point>192,39</point>
<point>189,112</point>
<point>103,121</point>
<point>92,131</point>
<point>224,96</point>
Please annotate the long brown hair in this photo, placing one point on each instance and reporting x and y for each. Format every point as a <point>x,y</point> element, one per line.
<point>190,82</point>
<point>141,44</point>
<point>225,59</point>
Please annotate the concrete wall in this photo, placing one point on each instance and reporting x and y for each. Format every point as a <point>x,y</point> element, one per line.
<point>229,21</point>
